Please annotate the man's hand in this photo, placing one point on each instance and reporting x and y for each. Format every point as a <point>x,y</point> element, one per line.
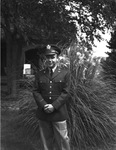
<point>48,108</point>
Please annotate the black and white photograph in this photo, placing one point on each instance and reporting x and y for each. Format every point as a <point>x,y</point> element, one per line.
<point>58,75</point>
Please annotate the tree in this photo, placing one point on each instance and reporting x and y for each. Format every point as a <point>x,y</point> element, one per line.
<point>27,22</point>
<point>109,65</point>
<point>112,42</point>
<point>51,21</point>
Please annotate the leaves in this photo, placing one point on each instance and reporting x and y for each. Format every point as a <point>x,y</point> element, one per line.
<point>59,21</point>
<point>109,65</point>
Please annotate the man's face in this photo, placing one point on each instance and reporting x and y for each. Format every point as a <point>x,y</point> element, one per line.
<point>51,60</point>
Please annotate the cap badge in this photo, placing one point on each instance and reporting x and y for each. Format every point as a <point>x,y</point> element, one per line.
<point>48,47</point>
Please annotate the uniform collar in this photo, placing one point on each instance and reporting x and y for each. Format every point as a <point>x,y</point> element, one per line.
<point>56,71</point>
<point>53,69</point>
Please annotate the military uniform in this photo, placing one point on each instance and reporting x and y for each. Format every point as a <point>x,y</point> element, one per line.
<point>53,90</point>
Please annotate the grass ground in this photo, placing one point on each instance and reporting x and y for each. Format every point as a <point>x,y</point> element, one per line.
<point>10,138</point>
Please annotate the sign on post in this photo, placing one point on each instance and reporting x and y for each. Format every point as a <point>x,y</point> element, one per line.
<point>27,69</point>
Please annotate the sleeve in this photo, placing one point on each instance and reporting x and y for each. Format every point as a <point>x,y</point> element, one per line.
<point>65,93</point>
<point>37,95</point>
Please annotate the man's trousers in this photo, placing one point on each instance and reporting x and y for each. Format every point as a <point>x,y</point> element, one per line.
<point>54,133</point>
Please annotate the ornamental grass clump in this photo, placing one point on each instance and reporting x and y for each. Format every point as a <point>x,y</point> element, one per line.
<point>26,123</point>
<point>91,121</point>
<point>91,106</point>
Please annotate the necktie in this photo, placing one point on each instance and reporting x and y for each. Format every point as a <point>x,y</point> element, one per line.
<point>51,72</point>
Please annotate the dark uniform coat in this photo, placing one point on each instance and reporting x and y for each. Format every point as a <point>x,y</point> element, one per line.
<point>52,90</point>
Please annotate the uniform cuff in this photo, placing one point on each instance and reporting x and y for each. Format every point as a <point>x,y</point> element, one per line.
<point>56,104</point>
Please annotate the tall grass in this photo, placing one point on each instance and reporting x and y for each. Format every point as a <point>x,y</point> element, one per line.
<point>91,123</point>
<point>91,110</point>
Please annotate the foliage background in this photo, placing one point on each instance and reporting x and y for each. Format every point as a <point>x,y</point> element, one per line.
<point>27,23</point>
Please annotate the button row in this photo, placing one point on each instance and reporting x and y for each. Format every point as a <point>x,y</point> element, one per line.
<point>50,91</point>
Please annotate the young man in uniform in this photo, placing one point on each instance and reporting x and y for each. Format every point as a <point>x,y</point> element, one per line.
<point>51,94</point>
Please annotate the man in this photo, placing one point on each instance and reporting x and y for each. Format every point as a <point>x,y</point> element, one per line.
<point>51,95</point>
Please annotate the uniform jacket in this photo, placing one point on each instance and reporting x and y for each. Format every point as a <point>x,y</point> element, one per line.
<point>52,90</point>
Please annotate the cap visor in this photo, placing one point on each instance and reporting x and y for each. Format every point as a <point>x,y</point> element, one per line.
<point>47,54</point>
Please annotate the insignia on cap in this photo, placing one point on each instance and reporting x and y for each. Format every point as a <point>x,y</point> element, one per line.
<point>48,47</point>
